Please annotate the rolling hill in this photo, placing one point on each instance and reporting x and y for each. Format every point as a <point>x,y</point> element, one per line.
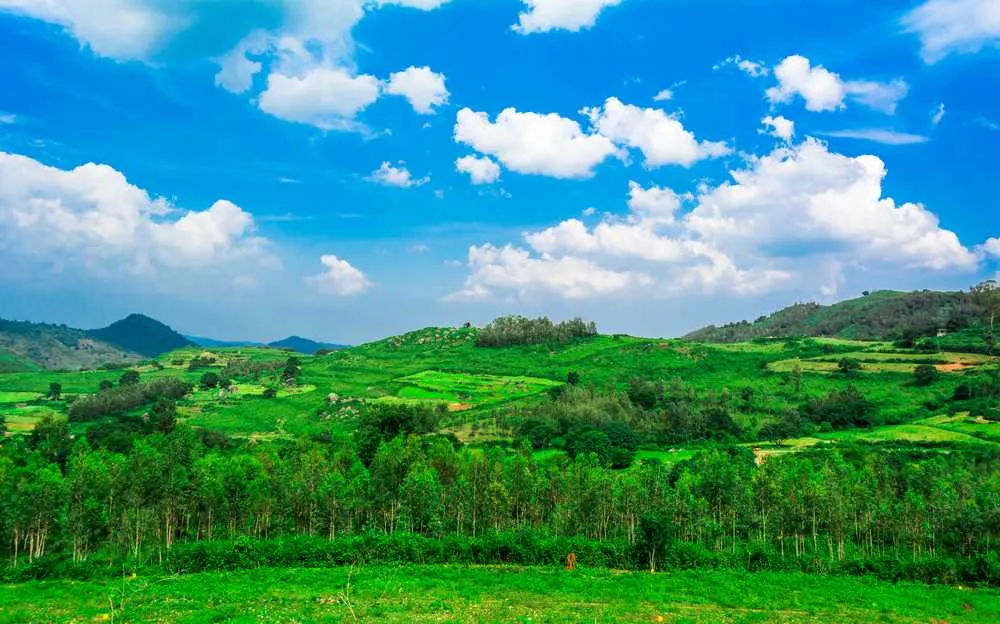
<point>26,346</point>
<point>140,334</point>
<point>880,315</point>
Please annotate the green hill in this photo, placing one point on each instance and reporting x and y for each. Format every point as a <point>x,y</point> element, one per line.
<point>880,315</point>
<point>140,334</point>
<point>27,346</point>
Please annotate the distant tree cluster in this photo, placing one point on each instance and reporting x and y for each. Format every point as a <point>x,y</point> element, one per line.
<point>509,331</point>
<point>118,401</point>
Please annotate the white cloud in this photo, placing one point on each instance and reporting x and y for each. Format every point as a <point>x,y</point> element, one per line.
<point>824,90</point>
<point>424,88</point>
<point>572,15</point>
<point>938,115</point>
<point>327,98</point>
<point>780,127</point>
<point>654,205</point>
<point>589,212</point>
<point>311,75</point>
<point>797,218</point>
<point>340,279</point>
<point>236,68</point>
<point>533,143</point>
<point>481,170</point>
<point>991,248</point>
<point>661,138</point>
<point>7,119</point>
<point>751,68</point>
<point>400,176</point>
<point>879,135</point>
<point>90,218</point>
<point>883,97</point>
<point>664,96</point>
<point>118,29</point>
<point>954,26</point>
<point>510,269</point>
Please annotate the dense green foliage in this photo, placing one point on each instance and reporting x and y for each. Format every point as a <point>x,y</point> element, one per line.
<point>881,315</point>
<point>127,396</point>
<point>140,334</point>
<point>518,330</point>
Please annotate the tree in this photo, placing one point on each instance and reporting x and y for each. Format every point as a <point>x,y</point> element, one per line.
<point>292,369</point>
<point>55,390</point>
<point>209,380</point>
<point>925,375</point>
<point>163,416</point>
<point>987,296</point>
<point>270,393</point>
<point>3,426</point>
<point>129,378</point>
<point>572,378</point>
<point>105,386</point>
<point>848,366</point>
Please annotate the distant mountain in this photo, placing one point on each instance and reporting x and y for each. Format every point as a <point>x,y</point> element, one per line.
<point>880,315</point>
<point>222,344</point>
<point>293,343</point>
<point>140,334</point>
<point>27,346</point>
<point>304,345</point>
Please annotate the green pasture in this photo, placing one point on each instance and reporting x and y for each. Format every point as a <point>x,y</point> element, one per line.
<point>494,594</point>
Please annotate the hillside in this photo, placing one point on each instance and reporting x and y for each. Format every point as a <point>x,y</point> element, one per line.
<point>140,334</point>
<point>25,346</point>
<point>881,315</point>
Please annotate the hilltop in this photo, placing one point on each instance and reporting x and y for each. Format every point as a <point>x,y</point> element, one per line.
<point>880,315</point>
<point>140,334</point>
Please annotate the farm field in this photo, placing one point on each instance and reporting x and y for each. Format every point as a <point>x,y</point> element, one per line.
<point>494,594</point>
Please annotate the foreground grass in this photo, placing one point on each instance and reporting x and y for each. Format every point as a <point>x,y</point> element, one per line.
<point>493,594</point>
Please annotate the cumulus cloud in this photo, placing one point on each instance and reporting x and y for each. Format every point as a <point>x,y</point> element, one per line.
<point>481,170</point>
<point>509,269</point>
<point>572,15</point>
<point>880,135</point>
<point>118,29</point>
<point>533,143</point>
<point>991,248</point>
<point>340,278</point>
<point>311,75</point>
<point>660,137</point>
<point>798,217</point>
<point>824,90</point>
<point>424,88</point>
<point>400,176</point>
<point>327,98</point>
<point>780,127</point>
<point>91,218</point>
<point>954,27</point>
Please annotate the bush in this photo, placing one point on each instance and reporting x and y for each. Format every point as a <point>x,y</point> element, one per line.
<point>925,375</point>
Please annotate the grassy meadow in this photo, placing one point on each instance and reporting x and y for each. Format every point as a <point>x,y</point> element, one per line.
<point>494,594</point>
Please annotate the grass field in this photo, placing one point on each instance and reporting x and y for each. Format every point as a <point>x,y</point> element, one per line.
<point>494,594</point>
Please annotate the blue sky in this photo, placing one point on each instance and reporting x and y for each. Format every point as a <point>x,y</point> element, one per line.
<point>348,169</point>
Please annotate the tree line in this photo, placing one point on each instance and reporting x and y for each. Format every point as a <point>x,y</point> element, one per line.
<point>63,498</point>
<point>509,331</point>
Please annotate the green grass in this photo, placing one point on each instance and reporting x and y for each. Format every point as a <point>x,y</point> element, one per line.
<point>23,419</point>
<point>908,433</point>
<point>494,594</point>
<point>18,397</point>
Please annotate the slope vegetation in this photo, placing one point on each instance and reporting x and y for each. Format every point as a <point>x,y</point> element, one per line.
<point>27,346</point>
<point>881,315</point>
